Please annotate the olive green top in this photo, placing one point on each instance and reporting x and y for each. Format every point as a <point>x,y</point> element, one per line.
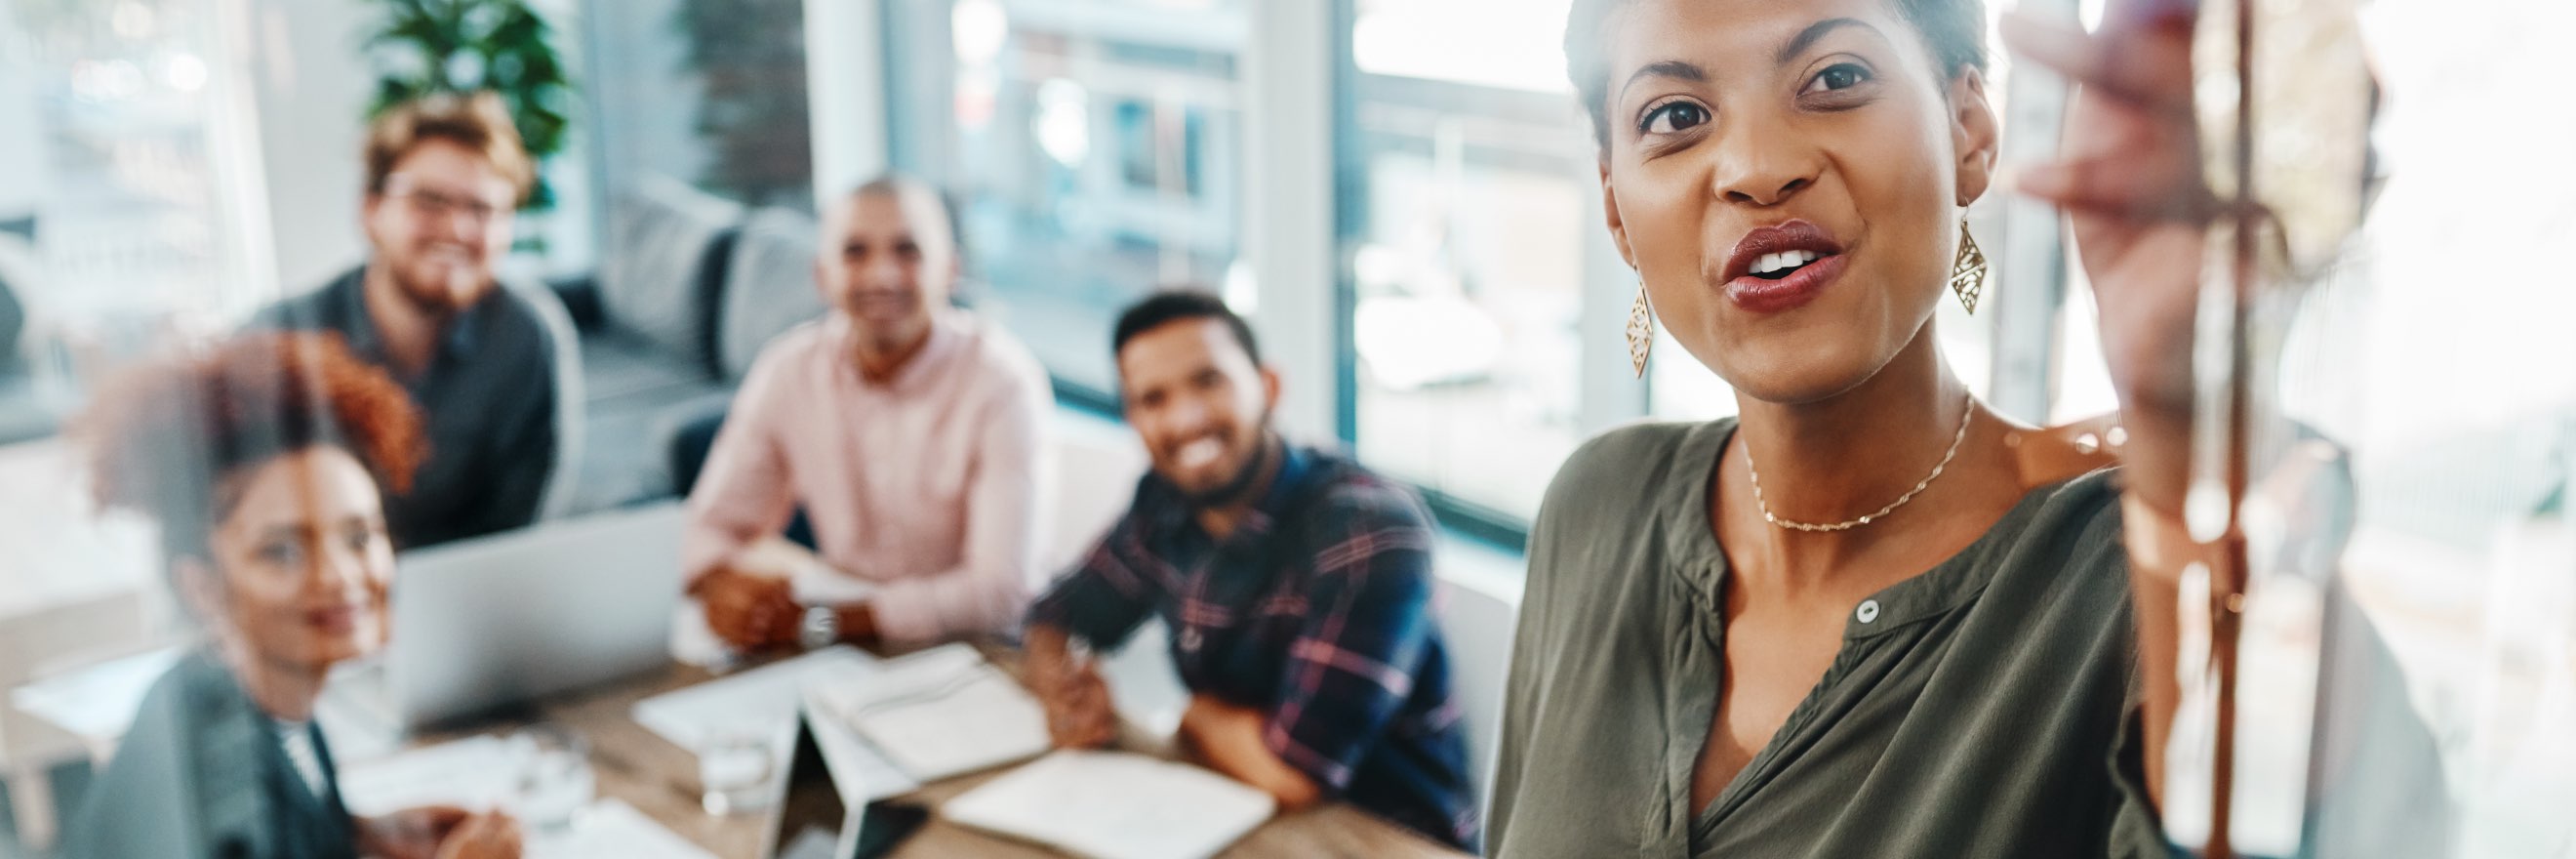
<point>1982,708</point>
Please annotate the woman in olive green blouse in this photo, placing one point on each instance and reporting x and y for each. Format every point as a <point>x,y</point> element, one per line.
<point>1870,617</point>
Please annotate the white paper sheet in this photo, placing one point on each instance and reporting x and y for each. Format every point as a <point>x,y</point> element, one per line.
<point>861,772</point>
<point>915,672</point>
<point>1115,805</point>
<point>984,723</point>
<point>480,773</point>
<point>610,829</point>
<point>474,773</point>
<point>942,712</point>
<point>764,695</point>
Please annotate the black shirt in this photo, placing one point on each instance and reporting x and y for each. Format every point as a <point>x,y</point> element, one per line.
<point>488,397</point>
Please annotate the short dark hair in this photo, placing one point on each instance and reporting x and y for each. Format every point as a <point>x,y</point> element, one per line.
<point>1955,30</point>
<point>1177,304</point>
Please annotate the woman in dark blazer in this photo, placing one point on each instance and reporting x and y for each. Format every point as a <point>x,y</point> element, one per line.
<point>265,462</point>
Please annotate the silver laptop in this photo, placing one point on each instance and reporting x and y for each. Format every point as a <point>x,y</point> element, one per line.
<point>483,624</point>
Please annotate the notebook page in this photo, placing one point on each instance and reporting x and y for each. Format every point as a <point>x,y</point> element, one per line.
<point>764,695</point>
<point>474,773</point>
<point>611,829</point>
<point>979,721</point>
<point>1115,805</point>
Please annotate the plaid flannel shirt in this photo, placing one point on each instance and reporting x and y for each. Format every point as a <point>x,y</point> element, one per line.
<point>1316,610</point>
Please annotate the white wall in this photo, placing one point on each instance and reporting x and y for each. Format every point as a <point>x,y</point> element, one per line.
<point>1287,205</point>
<point>308,89</point>
<point>22,181</point>
<point>846,93</point>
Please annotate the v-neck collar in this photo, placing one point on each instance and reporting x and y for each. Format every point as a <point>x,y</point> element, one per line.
<point>1691,541</point>
<point>1697,559</point>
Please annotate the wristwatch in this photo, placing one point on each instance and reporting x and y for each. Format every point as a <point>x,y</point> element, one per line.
<point>820,629</point>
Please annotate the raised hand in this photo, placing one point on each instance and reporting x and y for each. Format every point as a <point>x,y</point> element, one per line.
<point>2130,179</point>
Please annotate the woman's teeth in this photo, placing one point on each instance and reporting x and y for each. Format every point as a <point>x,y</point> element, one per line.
<point>1782,263</point>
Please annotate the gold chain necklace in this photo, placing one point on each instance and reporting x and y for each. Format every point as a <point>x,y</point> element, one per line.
<point>1969,412</point>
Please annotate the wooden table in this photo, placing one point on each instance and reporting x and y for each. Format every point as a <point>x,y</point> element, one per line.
<point>660,779</point>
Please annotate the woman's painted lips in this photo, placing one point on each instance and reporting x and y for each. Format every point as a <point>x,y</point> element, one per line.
<point>1779,268</point>
<point>1760,295</point>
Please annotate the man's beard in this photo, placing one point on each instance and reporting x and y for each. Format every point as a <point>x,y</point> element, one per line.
<point>437,299</point>
<point>1241,484</point>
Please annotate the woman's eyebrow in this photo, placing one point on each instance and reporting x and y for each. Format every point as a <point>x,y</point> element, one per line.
<point>1815,32</point>
<point>1789,50</point>
<point>1665,69</point>
<point>296,530</point>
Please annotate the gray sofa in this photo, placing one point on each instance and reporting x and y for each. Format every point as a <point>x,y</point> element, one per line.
<point>689,289</point>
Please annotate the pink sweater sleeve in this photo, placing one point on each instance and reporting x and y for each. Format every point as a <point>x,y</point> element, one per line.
<point>1014,477</point>
<point>743,493</point>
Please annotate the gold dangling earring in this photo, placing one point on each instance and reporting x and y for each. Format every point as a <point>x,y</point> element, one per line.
<point>1641,329</point>
<point>1968,272</point>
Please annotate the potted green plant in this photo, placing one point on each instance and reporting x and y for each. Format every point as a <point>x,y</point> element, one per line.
<point>428,46</point>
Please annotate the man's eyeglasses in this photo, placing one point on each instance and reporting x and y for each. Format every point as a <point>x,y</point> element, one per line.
<point>438,204</point>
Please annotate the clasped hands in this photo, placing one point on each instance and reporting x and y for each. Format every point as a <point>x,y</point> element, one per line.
<point>753,611</point>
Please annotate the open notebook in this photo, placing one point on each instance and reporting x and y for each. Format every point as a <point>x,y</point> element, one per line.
<point>767,695</point>
<point>1114,805</point>
<point>942,712</point>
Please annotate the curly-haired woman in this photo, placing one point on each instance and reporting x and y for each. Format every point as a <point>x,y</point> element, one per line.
<point>265,462</point>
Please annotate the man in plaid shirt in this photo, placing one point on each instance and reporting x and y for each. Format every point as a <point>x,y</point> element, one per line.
<point>1297,587</point>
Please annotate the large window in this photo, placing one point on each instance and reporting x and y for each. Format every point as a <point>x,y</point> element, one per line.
<point>711,93</point>
<point>123,175</point>
<point>1094,148</point>
<point>1469,262</point>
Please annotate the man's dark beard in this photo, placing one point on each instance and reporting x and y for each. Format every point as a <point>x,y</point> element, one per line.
<point>1241,484</point>
<point>437,303</point>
